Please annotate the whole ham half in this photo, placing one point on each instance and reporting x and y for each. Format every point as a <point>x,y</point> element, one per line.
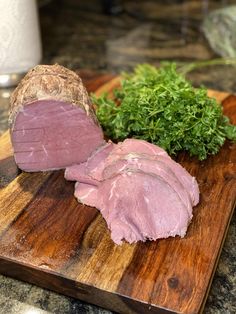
<point>52,122</point>
<point>140,191</point>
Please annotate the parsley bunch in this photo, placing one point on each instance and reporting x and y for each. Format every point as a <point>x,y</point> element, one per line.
<point>162,107</point>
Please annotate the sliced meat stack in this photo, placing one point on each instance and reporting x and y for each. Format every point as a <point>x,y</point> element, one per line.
<point>52,122</point>
<point>141,192</point>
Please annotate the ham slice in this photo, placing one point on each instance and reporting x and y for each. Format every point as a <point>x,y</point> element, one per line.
<point>86,194</point>
<point>150,166</point>
<point>133,147</point>
<point>94,165</point>
<point>140,191</point>
<point>133,210</point>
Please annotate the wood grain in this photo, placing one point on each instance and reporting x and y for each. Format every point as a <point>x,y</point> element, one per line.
<point>47,238</point>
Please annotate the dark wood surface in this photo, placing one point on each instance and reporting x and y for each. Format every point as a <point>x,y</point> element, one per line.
<point>48,239</point>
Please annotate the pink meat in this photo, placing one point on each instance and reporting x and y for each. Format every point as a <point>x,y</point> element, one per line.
<point>79,173</point>
<point>86,194</point>
<point>188,182</point>
<point>140,191</point>
<point>84,172</point>
<point>132,147</point>
<point>134,210</point>
<point>49,134</point>
<point>124,148</point>
<point>159,168</point>
<point>97,161</point>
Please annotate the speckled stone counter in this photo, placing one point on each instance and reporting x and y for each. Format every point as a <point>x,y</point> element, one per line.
<point>78,35</point>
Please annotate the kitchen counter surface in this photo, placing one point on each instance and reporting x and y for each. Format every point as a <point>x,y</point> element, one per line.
<point>79,35</point>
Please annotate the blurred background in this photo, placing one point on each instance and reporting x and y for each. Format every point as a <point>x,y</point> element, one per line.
<point>109,36</point>
<point>114,35</point>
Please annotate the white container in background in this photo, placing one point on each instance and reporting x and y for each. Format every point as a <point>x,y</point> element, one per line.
<point>20,42</point>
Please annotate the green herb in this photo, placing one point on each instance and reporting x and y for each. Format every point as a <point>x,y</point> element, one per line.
<point>161,106</point>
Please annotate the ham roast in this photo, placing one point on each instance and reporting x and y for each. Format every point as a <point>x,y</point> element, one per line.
<point>52,121</point>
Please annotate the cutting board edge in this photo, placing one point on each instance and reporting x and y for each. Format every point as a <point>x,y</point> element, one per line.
<point>202,306</point>
<point>22,270</point>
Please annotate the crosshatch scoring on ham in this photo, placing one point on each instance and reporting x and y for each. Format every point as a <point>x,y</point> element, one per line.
<point>52,121</point>
<point>140,191</point>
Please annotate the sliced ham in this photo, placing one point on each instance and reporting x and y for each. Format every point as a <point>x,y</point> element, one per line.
<point>140,191</point>
<point>95,164</point>
<point>133,147</point>
<point>137,146</point>
<point>150,166</point>
<point>86,194</point>
<point>122,149</point>
<point>188,182</point>
<point>79,173</point>
<point>134,210</point>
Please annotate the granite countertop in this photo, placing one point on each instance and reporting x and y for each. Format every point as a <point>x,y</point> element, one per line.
<point>79,35</point>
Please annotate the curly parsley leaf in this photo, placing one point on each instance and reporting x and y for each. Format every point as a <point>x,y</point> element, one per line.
<point>160,106</point>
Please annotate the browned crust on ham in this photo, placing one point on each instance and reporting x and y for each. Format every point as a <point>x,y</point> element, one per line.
<point>50,82</point>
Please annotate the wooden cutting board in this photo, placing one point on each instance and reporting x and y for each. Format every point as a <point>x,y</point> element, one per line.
<point>48,239</point>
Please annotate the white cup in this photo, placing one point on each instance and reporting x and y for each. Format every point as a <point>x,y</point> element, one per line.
<point>20,42</point>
